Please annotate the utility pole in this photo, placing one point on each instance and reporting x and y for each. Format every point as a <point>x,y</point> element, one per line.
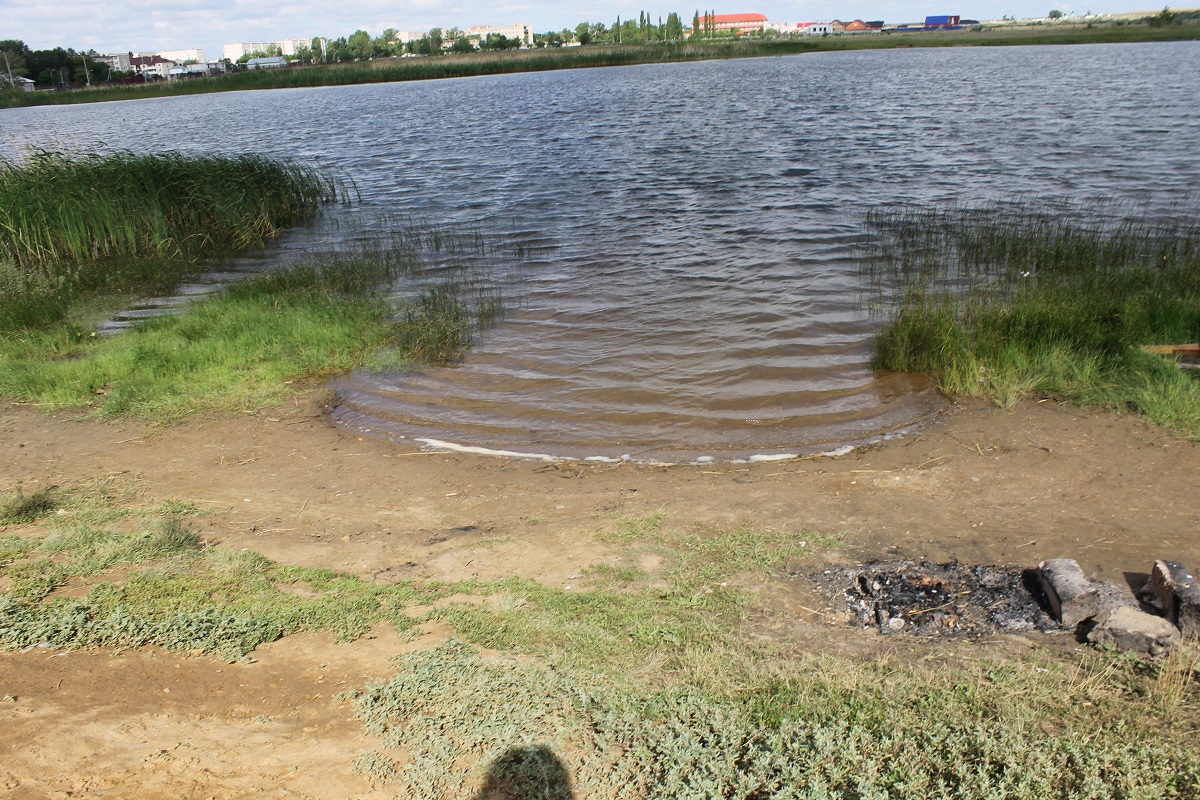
<point>87,76</point>
<point>8,67</point>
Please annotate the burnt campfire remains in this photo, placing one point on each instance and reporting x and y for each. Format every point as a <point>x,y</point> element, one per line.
<point>956,600</point>
<point>942,599</point>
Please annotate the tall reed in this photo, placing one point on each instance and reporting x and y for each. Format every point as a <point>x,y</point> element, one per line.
<point>58,208</point>
<point>1007,300</point>
<point>72,222</point>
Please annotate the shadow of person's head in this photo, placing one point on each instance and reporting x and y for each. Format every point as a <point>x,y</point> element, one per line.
<point>526,773</point>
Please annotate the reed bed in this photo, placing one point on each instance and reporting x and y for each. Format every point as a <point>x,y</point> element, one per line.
<point>58,208</point>
<point>1011,300</point>
<point>74,222</point>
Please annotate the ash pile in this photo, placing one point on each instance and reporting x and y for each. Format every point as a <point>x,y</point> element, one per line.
<point>942,599</point>
<point>970,601</point>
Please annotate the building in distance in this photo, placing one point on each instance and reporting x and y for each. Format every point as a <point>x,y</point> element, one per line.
<point>190,56</point>
<point>151,67</point>
<point>518,30</point>
<point>117,62</point>
<point>286,47</point>
<point>738,23</point>
<point>269,62</point>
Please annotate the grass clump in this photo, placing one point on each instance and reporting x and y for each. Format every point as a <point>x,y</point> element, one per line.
<point>174,591</point>
<point>679,620</point>
<point>1005,302</point>
<point>72,223</point>
<point>640,630</point>
<point>60,208</point>
<point>20,508</point>
<point>703,557</point>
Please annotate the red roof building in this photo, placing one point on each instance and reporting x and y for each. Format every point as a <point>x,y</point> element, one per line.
<point>741,23</point>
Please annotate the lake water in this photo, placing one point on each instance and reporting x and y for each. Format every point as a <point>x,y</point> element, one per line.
<point>696,291</point>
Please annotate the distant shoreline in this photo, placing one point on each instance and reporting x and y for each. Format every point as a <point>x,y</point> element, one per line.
<point>391,70</point>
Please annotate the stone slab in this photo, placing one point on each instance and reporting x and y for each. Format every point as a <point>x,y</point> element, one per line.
<point>1136,631</point>
<point>1175,591</point>
<point>1073,598</point>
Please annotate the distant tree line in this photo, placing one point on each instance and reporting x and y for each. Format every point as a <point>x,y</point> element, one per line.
<point>360,45</point>
<point>51,67</point>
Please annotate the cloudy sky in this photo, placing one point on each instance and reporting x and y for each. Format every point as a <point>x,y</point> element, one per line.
<point>148,25</point>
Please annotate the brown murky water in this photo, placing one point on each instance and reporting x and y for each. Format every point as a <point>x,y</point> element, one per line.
<point>695,292</point>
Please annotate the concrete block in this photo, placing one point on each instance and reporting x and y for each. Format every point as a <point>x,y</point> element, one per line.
<point>1174,590</point>
<point>1073,598</point>
<point>1132,630</point>
<point>1112,595</point>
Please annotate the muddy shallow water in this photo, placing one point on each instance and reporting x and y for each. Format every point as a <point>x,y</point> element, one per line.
<point>695,289</point>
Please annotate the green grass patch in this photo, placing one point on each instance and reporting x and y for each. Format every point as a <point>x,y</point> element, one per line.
<point>675,622</point>
<point>76,223</point>
<point>706,557</point>
<point>178,592</point>
<point>20,508</point>
<point>1006,301</point>
<point>644,692</point>
<point>241,348</point>
<point>827,727</point>
<point>639,630</point>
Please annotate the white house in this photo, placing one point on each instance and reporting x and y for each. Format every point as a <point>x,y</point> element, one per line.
<point>272,62</point>
<point>287,47</point>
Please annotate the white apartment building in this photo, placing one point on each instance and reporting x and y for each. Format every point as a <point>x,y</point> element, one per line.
<point>287,47</point>
<point>236,50</point>
<point>518,30</point>
<point>118,62</point>
<point>195,55</point>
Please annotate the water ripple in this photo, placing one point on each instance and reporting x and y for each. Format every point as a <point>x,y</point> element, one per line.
<point>702,293</point>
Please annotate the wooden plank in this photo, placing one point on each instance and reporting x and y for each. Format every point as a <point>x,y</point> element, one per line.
<point>1173,349</point>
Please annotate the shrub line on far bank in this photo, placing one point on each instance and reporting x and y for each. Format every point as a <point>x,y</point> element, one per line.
<point>549,59</point>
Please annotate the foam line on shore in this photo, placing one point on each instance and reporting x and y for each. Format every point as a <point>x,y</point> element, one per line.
<point>487,451</point>
<point>440,444</point>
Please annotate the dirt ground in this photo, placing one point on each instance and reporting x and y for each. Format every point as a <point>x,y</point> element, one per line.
<point>979,484</point>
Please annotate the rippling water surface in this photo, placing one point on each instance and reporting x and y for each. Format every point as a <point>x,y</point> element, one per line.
<point>695,290</point>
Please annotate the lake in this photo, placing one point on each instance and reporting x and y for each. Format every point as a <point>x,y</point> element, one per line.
<point>694,289</point>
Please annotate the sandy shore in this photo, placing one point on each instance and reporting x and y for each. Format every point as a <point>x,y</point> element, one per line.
<point>980,484</point>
